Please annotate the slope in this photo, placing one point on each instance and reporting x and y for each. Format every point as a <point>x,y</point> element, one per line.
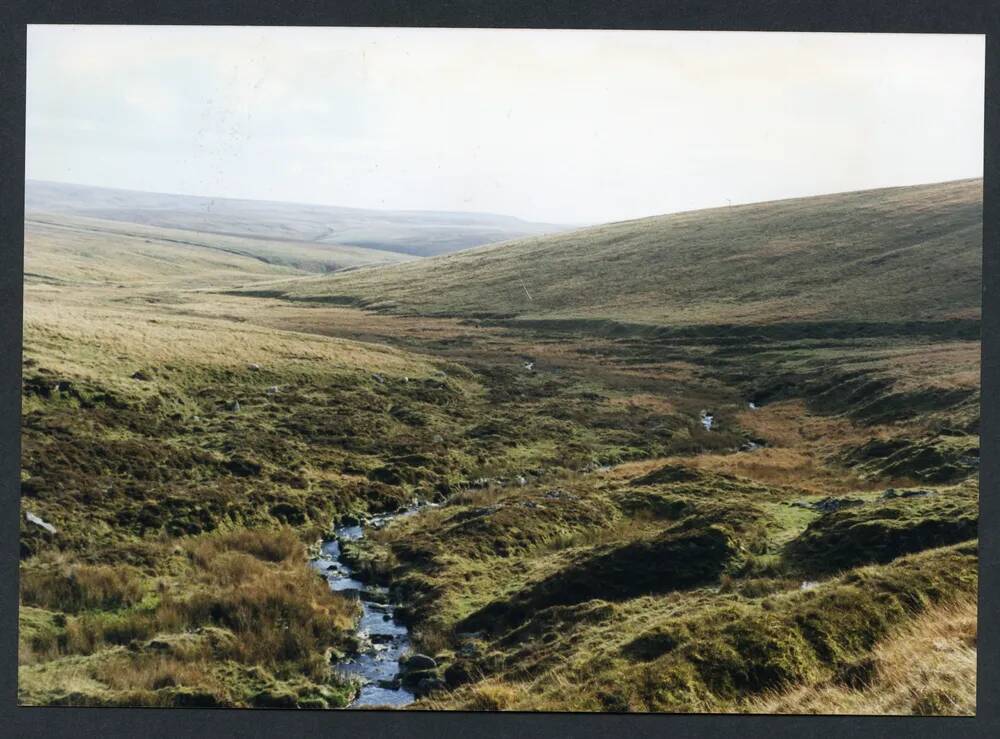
<point>897,254</point>
<point>73,247</point>
<point>419,233</point>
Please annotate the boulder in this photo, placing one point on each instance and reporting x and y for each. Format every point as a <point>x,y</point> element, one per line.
<point>413,678</point>
<point>420,662</point>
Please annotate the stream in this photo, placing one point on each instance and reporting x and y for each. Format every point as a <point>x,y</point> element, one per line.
<point>384,639</point>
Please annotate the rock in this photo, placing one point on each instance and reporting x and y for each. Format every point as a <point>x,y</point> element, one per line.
<point>273,390</point>
<point>520,480</point>
<point>233,406</point>
<point>412,678</point>
<point>890,494</point>
<point>32,518</point>
<point>420,662</point>
<point>828,505</point>
<point>141,376</point>
<point>557,494</point>
<point>253,367</point>
<point>378,378</point>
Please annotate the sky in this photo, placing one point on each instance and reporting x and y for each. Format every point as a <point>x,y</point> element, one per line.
<point>572,127</point>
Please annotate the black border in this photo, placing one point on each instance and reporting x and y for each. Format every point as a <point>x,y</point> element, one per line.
<point>898,16</point>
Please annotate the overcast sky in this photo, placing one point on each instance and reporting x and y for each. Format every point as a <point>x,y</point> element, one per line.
<point>560,126</point>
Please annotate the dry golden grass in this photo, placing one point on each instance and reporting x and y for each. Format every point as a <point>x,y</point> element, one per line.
<point>799,447</point>
<point>268,545</point>
<point>81,587</point>
<point>946,364</point>
<point>89,336</point>
<point>927,668</point>
<point>494,695</point>
<point>153,672</point>
<point>91,252</point>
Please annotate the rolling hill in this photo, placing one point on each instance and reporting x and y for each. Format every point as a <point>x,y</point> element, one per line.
<point>418,233</point>
<point>77,249</point>
<point>897,254</point>
<point>747,518</point>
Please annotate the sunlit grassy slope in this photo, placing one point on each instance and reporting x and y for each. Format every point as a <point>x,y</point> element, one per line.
<point>907,253</point>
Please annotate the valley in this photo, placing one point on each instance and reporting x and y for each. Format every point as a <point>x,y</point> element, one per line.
<point>205,414</point>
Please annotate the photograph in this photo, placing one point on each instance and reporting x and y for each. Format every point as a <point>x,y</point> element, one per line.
<point>496,369</point>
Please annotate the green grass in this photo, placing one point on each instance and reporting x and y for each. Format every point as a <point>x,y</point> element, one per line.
<point>595,548</point>
<point>900,254</point>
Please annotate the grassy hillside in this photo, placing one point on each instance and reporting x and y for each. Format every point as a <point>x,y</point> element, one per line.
<point>899,254</point>
<point>189,433</point>
<point>419,233</point>
<point>59,247</point>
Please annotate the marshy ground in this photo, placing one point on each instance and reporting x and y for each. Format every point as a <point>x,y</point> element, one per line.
<point>191,432</point>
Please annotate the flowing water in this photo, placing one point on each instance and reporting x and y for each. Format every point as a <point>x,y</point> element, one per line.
<point>383,638</point>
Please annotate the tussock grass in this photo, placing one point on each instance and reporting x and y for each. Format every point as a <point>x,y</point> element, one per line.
<point>699,653</point>
<point>82,587</point>
<point>267,545</point>
<point>927,667</point>
<point>244,597</point>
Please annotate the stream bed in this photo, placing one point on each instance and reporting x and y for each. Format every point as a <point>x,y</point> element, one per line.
<point>383,639</point>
